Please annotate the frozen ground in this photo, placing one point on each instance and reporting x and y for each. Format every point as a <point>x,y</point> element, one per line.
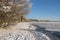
<point>52,26</point>
<point>16,35</point>
<point>10,34</point>
<point>27,31</point>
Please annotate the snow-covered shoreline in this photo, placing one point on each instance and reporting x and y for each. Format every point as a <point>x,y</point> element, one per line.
<point>14,32</point>
<point>53,26</point>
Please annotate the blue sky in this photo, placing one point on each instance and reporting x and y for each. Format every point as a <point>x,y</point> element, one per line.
<point>45,10</point>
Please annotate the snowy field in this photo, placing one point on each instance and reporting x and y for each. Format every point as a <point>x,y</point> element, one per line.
<point>27,31</point>
<point>53,26</point>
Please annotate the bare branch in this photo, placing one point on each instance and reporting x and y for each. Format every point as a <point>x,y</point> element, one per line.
<point>11,11</point>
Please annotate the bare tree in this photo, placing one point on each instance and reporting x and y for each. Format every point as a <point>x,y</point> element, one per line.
<point>12,11</point>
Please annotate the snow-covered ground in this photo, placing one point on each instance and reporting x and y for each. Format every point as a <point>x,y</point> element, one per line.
<point>14,34</point>
<point>53,26</point>
<point>27,31</point>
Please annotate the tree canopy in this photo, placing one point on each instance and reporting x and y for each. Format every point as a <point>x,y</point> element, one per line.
<point>12,10</point>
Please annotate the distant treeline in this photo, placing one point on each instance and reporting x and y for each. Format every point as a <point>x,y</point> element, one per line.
<point>36,20</point>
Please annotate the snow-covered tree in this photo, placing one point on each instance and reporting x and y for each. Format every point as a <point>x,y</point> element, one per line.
<point>12,11</point>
